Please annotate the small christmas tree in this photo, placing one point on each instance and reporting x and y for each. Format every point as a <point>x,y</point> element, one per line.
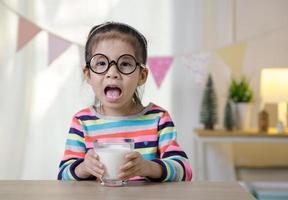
<point>209,106</point>
<point>229,121</point>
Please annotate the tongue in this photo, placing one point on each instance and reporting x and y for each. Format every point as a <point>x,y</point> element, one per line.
<point>113,94</point>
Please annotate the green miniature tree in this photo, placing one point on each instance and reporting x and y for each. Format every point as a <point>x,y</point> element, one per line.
<point>229,121</point>
<point>209,106</point>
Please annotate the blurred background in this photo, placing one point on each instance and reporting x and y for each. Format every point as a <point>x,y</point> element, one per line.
<point>41,61</point>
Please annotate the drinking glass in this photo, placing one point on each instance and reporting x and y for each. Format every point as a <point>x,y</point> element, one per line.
<point>112,153</point>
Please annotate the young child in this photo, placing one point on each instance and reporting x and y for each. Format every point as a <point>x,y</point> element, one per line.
<point>115,56</point>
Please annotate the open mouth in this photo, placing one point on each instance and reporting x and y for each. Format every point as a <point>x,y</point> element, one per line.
<point>112,92</point>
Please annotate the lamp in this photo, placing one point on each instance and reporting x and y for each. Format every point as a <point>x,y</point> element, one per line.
<point>274,89</point>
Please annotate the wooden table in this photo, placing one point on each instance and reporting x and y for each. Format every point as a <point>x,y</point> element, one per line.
<point>206,137</point>
<point>86,190</point>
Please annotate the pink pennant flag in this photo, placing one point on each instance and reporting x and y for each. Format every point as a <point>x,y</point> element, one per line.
<point>57,46</point>
<point>159,67</point>
<point>26,31</point>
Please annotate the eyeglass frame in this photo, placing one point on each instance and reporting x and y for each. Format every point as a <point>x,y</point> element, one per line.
<point>110,63</point>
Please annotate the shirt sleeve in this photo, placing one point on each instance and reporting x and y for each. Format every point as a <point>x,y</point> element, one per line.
<point>173,160</point>
<point>74,153</point>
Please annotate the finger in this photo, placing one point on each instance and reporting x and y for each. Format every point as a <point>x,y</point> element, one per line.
<point>129,165</point>
<point>132,155</point>
<point>93,162</point>
<point>96,172</point>
<point>92,153</point>
<point>129,173</point>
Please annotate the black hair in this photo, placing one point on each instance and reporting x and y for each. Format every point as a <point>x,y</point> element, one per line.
<point>121,28</point>
<point>140,46</point>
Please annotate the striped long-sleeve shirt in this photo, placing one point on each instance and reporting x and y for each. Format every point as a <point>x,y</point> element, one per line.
<point>153,132</point>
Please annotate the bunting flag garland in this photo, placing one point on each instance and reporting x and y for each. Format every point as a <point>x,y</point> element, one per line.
<point>26,32</point>
<point>57,46</point>
<point>198,65</point>
<point>159,67</point>
<point>233,56</point>
<point>195,61</point>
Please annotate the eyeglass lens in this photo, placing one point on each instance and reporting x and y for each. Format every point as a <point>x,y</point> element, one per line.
<point>126,64</point>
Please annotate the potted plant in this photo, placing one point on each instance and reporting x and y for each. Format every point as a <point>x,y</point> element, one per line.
<point>241,94</point>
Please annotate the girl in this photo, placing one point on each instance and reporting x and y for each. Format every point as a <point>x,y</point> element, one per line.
<point>115,55</point>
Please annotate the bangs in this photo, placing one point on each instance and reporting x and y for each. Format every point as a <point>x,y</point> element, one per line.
<point>118,36</point>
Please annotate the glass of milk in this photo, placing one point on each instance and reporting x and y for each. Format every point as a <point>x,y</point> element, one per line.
<point>112,153</point>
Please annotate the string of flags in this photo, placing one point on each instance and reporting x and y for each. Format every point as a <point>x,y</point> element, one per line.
<point>27,30</point>
<point>159,66</point>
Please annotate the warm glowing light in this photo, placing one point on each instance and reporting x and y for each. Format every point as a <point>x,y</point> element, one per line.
<point>274,83</point>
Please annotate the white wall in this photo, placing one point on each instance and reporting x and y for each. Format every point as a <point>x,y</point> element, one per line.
<point>38,101</point>
<point>264,26</point>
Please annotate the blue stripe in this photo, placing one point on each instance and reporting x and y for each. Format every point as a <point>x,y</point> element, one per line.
<point>170,178</point>
<point>149,156</point>
<point>75,143</point>
<point>118,124</point>
<point>65,174</point>
<point>166,136</point>
<point>183,168</point>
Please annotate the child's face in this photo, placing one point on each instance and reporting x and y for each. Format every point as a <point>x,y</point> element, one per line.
<point>113,89</point>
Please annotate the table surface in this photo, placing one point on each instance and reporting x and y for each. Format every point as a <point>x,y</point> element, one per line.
<point>240,133</point>
<point>87,190</point>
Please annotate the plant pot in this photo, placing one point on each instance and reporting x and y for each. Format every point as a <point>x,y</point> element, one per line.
<point>243,116</point>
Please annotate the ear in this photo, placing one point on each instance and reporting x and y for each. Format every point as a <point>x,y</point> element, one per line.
<point>143,76</point>
<point>86,74</point>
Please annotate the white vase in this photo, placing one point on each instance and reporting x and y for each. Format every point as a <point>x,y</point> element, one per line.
<point>243,116</point>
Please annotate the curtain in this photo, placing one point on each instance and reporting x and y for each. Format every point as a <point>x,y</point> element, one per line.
<point>38,98</point>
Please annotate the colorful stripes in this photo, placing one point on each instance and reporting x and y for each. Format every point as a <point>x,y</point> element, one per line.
<point>153,131</point>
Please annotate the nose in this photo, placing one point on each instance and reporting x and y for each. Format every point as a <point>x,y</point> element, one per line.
<point>113,71</point>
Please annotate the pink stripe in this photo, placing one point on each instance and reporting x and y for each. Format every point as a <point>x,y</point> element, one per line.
<point>173,148</point>
<point>85,111</point>
<point>188,171</point>
<point>68,156</point>
<point>147,138</point>
<point>76,125</point>
<point>89,144</point>
<point>165,118</point>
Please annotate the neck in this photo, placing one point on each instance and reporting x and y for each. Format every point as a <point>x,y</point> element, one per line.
<point>128,109</point>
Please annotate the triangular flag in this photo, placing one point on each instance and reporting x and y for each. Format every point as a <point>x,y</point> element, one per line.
<point>57,46</point>
<point>233,56</point>
<point>159,67</point>
<point>26,31</point>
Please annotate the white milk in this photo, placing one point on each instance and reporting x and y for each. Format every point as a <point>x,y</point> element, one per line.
<point>112,158</point>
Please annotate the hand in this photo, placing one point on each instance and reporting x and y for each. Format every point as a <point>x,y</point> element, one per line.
<point>90,166</point>
<point>136,166</point>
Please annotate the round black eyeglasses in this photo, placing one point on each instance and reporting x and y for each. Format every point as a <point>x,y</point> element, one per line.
<point>126,64</point>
